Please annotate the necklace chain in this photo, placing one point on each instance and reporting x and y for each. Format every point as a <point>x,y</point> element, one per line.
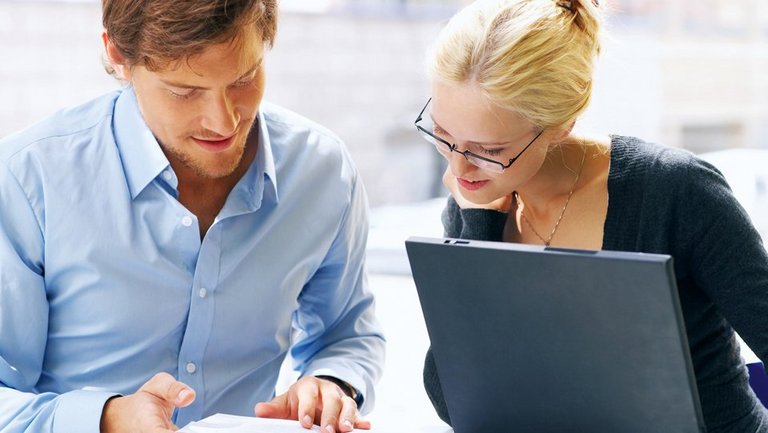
<point>548,240</point>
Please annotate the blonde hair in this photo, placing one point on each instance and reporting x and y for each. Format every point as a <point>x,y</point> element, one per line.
<point>535,57</point>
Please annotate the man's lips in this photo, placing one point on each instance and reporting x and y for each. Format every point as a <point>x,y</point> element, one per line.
<point>216,145</point>
<point>471,185</point>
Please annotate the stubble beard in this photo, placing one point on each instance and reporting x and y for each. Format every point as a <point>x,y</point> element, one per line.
<point>218,166</point>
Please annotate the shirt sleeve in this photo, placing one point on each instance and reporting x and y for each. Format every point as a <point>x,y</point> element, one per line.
<point>725,254</point>
<point>24,328</point>
<point>339,335</point>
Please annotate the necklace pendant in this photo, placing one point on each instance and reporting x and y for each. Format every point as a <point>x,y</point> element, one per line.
<point>548,240</point>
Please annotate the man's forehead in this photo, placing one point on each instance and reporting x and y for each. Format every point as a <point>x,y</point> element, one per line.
<point>218,60</point>
<point>243,51</point>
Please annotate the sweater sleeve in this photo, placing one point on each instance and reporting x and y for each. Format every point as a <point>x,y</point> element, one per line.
<point>473,224</point>
<point>434,389</point>
<point>725,253</point>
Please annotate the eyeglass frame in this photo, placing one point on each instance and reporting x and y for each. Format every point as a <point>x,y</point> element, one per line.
<point>467,153</point>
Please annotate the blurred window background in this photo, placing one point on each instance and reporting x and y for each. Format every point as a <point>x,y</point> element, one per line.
<point>688,73</point>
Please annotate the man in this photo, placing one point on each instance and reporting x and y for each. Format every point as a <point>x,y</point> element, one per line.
<point>163,247</point>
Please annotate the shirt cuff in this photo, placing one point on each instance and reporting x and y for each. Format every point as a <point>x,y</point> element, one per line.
<point>80,411</point>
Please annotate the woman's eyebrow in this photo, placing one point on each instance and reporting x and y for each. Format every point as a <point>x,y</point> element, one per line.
<point>490,144</point>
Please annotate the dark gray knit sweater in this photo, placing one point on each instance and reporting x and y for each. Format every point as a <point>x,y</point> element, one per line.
<point>664,200</point>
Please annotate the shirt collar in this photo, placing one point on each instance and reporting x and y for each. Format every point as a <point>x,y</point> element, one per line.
<point>264,156</point>
<point>143,159</point>
<point>259,182</point>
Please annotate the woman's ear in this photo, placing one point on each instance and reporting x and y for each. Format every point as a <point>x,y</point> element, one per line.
<point>565,132</point>
<point>116,59</point>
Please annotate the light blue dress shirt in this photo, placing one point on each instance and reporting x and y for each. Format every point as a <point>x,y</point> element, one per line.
<point>104,280</point>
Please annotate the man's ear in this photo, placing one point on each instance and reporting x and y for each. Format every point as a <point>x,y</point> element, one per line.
<point>115,58</point>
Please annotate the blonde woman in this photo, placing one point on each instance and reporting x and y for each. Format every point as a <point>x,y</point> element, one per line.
<point>510,79</point>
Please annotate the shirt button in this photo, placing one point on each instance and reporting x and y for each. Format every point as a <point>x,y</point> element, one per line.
<point>191,368</point>
<point>186,221</point>
<point>167,175</point>
<point>202,292</point>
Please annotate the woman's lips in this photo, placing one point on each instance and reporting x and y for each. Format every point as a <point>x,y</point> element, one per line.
<point>471,185</point>
<point>215,145</point>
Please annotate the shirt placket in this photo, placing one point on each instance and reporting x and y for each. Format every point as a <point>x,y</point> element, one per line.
<point>191,360</point>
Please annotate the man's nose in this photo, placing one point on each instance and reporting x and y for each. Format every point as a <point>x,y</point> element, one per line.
<point>221,116</point>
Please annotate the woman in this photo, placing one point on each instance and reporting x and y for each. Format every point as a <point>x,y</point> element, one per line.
<point>510,78</point>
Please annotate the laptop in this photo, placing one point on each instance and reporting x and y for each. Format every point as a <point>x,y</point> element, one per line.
<point>533,339</point>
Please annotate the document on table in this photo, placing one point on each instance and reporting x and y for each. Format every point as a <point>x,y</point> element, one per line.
<point>222,423</point>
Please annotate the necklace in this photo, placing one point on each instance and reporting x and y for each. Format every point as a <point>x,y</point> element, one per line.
<point>548,240</point>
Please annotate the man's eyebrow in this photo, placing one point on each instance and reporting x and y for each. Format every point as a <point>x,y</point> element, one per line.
<point>251,71</point>
<point>191,87</point>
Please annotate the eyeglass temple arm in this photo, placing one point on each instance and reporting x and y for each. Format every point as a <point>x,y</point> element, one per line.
<point>511,160</point>
<point>421,113</point>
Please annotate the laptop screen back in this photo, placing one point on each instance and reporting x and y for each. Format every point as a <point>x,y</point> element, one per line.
<point>534,339</point>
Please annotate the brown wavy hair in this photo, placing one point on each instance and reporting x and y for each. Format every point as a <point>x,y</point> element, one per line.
<point>156,33</point>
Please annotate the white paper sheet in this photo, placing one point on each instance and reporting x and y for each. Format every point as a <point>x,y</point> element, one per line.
<point>221,423</point>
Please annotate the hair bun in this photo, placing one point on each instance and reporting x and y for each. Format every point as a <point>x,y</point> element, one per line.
<point>572,5</point>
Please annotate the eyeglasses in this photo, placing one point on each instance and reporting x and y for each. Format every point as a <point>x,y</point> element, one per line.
<point>445,148</point>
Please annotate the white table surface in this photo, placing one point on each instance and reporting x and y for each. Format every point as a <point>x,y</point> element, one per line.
<point>402,404</point>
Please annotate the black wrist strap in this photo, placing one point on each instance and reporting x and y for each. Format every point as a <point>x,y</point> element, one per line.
<point>347,388</point>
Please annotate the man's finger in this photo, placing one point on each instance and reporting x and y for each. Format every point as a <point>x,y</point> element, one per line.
<point>349,414</point>
<point>332,396</point>
<point>277,408</point>
<point>167,388</point>
<point>363,424</point>
<point>307,395</point>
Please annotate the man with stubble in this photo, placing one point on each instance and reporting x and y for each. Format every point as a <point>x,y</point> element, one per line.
<point>165,246</point>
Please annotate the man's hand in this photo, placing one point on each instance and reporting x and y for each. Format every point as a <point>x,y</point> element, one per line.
<point>501,204</point>
<point>315,401</point>
<point>149,410</point>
